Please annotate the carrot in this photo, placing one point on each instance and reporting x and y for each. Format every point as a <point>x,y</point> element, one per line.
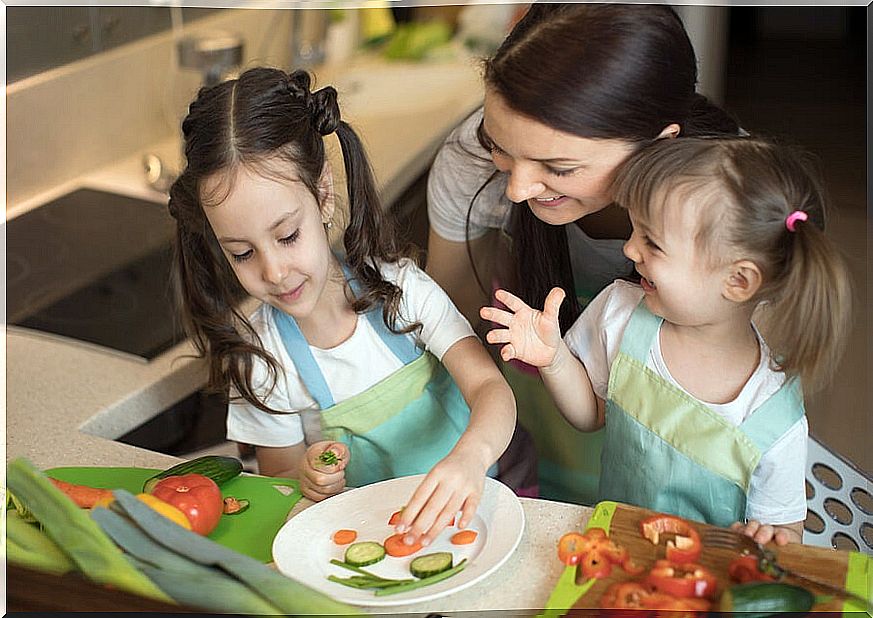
<point>83,495</point>
<point>344,537</point>
<point>464,537</point>
<point>394,546</point>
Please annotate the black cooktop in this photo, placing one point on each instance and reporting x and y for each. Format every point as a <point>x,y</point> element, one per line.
<point>94,266</point>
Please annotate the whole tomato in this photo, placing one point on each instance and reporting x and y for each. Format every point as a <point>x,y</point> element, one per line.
<point>197,496</point>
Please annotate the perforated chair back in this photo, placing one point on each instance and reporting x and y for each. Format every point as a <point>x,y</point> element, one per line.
<point>839,502</point>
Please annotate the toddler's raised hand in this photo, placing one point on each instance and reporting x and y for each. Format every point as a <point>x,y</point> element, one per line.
<point>531,336</point>
<point>323,470</point>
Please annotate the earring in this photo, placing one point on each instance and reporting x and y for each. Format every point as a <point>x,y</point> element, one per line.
<point>328,224</point>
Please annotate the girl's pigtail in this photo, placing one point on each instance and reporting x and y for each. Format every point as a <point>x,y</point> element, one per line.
<point>208,293</point>
<point>370,234</point>
<point>810,316</point>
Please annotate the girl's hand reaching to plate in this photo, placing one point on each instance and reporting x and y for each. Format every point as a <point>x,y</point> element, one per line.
<point>323,470</point>
<point>529,335</point>
<point>454,484</point>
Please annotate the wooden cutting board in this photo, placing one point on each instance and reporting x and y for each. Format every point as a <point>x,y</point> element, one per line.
<point>851,570</point>
<point>250,532</point>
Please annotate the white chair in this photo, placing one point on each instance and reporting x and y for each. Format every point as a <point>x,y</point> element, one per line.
<point>840,502</point>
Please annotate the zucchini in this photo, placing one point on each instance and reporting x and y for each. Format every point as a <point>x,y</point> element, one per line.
<point>364,553</point>
<point>759,599</point>
<point>431,564</point>
<point>217,467</point>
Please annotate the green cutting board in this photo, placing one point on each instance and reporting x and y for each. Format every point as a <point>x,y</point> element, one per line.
<point>250,532</point>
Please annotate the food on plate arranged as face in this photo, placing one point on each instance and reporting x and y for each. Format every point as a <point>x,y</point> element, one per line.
<point>425,569</point>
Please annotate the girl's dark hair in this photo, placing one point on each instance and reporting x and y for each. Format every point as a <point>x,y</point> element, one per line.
<point>743,191</point>
<point>619,71</point>
<point>264,117</point>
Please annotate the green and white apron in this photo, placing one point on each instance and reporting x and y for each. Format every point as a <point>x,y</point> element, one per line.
<point>666,451</point>
<point>402,425</point>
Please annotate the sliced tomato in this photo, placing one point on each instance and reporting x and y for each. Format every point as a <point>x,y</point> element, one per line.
<point>745,569</point>
<point>682,580</point>
<point>684,547</point>
<point>394,546</point>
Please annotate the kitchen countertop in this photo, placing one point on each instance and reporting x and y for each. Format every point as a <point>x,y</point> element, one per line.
<point>66,401</point>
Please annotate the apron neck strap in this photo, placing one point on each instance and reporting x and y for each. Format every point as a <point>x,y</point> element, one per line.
<point>640,332</point>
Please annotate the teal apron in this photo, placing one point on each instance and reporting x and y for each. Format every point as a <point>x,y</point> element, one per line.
<point>402,425</point>
<point>666,451</point>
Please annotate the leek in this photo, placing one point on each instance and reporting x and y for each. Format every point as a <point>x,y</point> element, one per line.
<point>75,532</point>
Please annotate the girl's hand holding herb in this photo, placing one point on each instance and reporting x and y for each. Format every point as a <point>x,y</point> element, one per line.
<point>323,470</point>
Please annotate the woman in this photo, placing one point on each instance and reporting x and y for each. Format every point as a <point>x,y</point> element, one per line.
<point>520,192</point>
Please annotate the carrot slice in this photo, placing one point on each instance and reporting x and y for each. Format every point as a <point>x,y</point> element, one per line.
<point>394,546</point>
<point>464,537</point>
<point>344,537</point>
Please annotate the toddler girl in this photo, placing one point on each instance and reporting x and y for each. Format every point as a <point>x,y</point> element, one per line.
<point>703,418</point>
<point>339,377</point>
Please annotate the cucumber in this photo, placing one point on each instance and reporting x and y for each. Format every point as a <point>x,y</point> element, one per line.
<point>431,564</point>
<point>759,599</point>
<point>364,553</point>
<point>217,467</point>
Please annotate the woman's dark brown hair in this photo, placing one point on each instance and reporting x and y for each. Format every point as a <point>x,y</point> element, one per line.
<point>613,71</point>
<point>265,116</point>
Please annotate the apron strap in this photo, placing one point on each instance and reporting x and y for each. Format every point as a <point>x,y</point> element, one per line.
<point>640,332</point>
<point>298,349</point>
<point>775,416</point>
<point>403,346</point>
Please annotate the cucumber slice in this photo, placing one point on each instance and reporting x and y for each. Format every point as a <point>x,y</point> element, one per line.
<point>431,564</point>
<point>364,553</point>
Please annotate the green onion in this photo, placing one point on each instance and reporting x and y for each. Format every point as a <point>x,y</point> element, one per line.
<point>421,583</point>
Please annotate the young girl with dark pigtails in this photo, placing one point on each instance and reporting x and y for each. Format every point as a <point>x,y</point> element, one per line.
<point>353,368</point>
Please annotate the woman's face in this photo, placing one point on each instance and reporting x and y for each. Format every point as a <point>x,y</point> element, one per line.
<point>561,176</point>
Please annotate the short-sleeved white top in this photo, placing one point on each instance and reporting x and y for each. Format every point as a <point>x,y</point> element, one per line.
<point>350,368</point>
<point>777,492</point>
<point>462,167</point>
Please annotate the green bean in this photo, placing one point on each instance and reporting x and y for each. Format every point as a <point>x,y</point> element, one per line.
<point>427,581</point>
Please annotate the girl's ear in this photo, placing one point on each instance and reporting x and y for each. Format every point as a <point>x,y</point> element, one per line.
<point>743,281</point>
<point>670,131</point>
<point>326,198</point>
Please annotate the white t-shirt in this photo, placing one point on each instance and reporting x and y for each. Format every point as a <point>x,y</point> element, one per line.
<point>350,368</point>
<point>777,491</point>
<point>462,166</point>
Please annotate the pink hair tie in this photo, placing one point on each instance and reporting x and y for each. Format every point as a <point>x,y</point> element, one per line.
<point>793,218</point>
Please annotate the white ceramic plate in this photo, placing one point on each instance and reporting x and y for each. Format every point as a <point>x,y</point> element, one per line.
<point>303,547</point>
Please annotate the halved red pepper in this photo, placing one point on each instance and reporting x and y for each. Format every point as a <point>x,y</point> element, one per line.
<point>686,545</point>
<point>745,569</point>
<point>638,595</point>
<point>686,580</point>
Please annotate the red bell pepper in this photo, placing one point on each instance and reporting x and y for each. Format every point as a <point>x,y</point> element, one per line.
<point>686,580</point>
<point>745,569</point>
<point>638,595</point>
<point>594,552</point>
<point>686,545</point>
<point>197,496</point>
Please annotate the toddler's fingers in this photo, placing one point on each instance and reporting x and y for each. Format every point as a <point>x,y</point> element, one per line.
<point>498,316</point>
<point>553,303</point>
<point>764,534</point>
<point>498,335</point>
<point>510,300</point>
<point>507,352</point>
